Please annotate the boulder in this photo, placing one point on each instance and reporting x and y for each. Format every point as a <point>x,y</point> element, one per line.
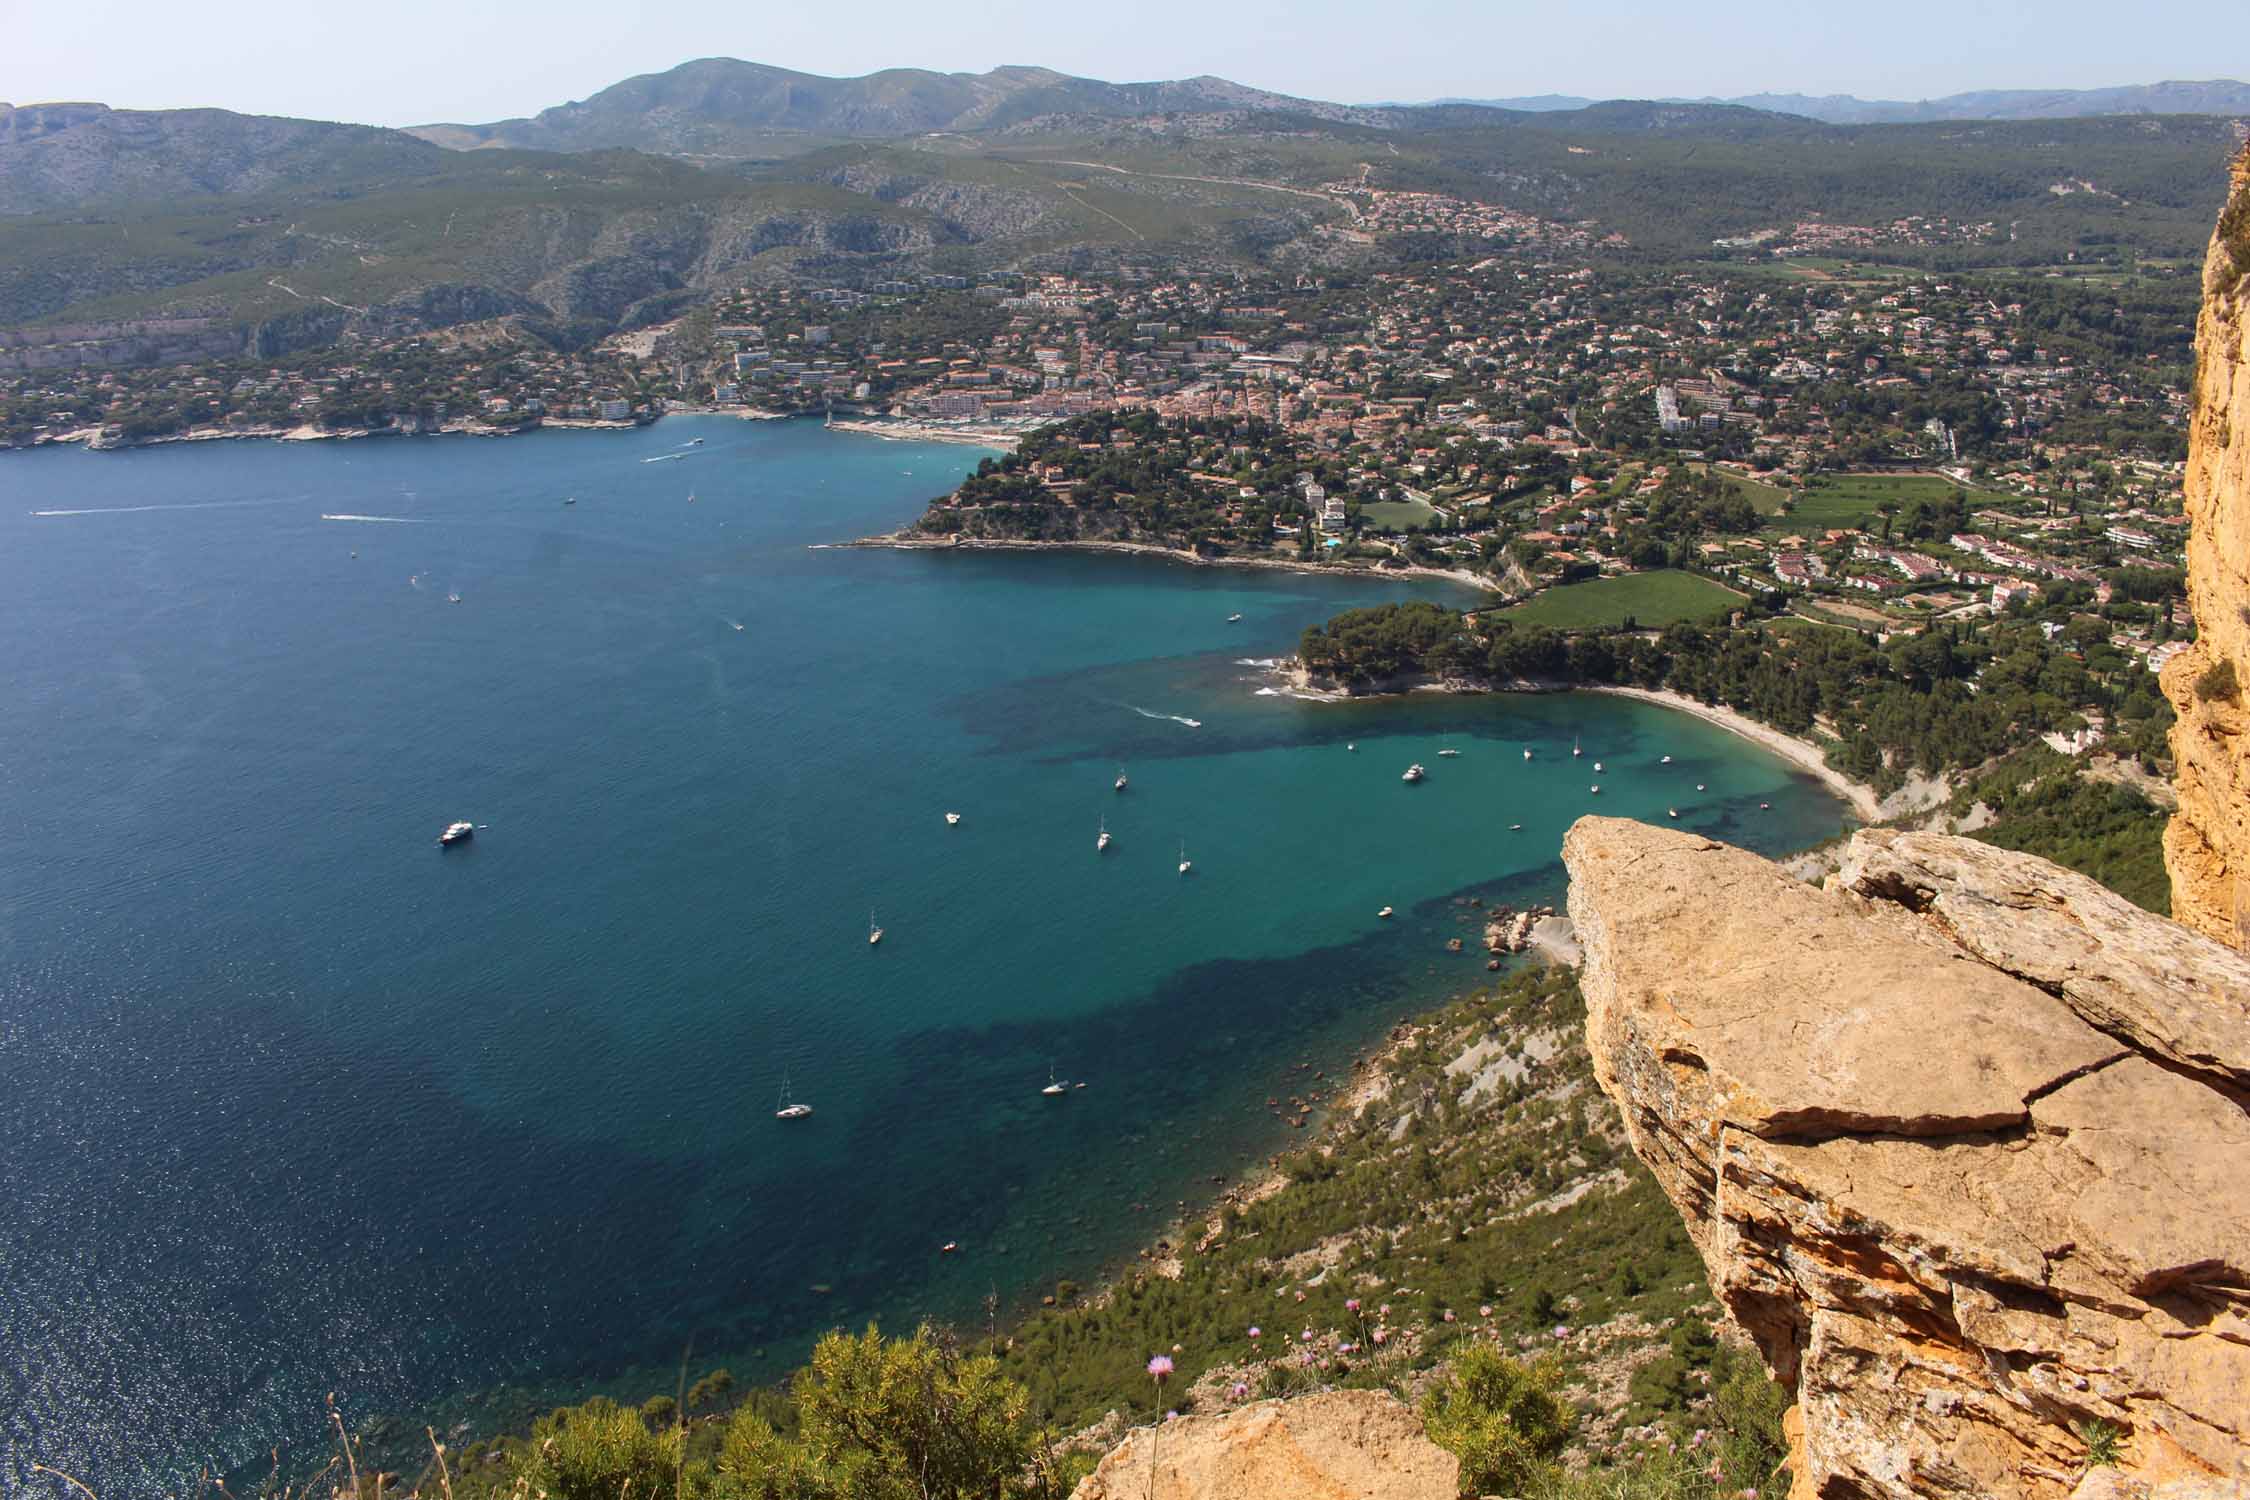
<point>1339,1445</point>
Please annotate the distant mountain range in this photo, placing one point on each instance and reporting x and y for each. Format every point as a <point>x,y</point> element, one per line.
<point>2218,96</point>
<point>722,106</point>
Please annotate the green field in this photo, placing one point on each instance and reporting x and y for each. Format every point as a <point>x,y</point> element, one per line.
<point>1652,599</point>
<point>1851,499</point>
<point>1765,499</point>
<point>1397,515</point>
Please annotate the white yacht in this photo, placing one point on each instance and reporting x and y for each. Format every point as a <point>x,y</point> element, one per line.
<point>1667,760</point>
<point>1186,864</point>
<point>1699,786</point>
<point>1384,913</point>
<point>874,933</point>
<point>1101,837</point>
<point>1597,765</point>
<point>1527,752</point>
<point>1671,812</point>
<point>1574,750</point>
<point>1413,774</point>
<point>952,820</point>
<point>1596,789</point>
<point>457,833</point>
<point>453,598</point>
<point>1122,779</point>
<point>1055,1088</point>
<point>1231,619</point>
<point>787,1110</point>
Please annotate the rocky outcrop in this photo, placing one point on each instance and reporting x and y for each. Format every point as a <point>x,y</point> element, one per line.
<point>1962,1141</point>
<point>2207,844</point>
<point>1340,1445</point>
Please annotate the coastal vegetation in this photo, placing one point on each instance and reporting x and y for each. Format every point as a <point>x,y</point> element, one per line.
<point>1652,600</point>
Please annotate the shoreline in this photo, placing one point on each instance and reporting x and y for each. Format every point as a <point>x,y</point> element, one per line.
<point>929,432</point>
<point>900,541</point>
<point>90,438</point>
<point>1803,754</point>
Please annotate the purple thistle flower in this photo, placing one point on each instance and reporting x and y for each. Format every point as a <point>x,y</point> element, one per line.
<point>1160,1366</point>
<point>1351,1304</point>
<point>1241,1389</point>
<point>1254,1331</point>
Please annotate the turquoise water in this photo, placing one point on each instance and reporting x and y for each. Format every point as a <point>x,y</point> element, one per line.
<point>296,1103</point>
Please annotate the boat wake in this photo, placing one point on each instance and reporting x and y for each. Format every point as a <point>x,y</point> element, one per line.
<point>1175,718</point>
<point>384,520</point>
<point>129,510</point>
<point>1268,662</point>
<point>663,458</point>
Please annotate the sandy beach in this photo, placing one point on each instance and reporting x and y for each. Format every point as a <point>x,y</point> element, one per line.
<point>1805,756</point>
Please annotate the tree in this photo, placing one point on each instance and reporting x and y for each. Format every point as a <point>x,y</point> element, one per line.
<point>1503,1419</point>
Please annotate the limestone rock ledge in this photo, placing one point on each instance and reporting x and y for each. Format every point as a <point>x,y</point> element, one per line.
<point>2207,843</point>
<point>1340,1445</point>
<point>1962,1140</point>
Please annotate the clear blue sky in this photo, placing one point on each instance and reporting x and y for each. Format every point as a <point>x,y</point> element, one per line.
<point>416,61</point>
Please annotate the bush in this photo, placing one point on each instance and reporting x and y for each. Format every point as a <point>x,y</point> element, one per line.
<point>1502,1418</point>
<point>599,1451</point>
<point>2216,681</point>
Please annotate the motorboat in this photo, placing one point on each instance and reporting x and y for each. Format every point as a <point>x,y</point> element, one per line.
<point>1122,779</point>
<point>1101,838</point>
<point>1413,774</point>
<point>457,833</point>
<point>952,820</point>
<point>1384,913</point>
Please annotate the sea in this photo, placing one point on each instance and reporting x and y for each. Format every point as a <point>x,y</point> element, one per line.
<point>295,1103</point>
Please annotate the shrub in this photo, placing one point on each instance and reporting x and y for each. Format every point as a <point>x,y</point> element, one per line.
<point>599,1451</point>
<point>1503,1419</point>
<point>2216,681</point>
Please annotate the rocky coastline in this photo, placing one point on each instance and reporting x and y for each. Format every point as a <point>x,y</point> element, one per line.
<point>912,541</point>
<point>92,439</point>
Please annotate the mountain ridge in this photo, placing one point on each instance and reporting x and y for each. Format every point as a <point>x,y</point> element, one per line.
<point>2220,96</point>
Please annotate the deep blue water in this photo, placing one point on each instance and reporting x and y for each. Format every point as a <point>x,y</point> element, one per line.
<point>294,1102</point>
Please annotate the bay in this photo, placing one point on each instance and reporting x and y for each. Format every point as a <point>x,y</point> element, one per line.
<point>295,1102</point>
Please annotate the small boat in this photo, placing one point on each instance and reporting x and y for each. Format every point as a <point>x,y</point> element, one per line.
<point>1699,786</point>
<point>1384,913</point>
<point>1667,760</point>
<point>695,442</point>
<point>737,624</point>
<point>1763,806</point>
<point>1122,779</point>
<point>1101,837</point>
<point>570,500</point>
<point>1447,752</point>
<point>1596,789</point>
<point>1054,1089</point>
<point>874,933</point>
<point>355,552</point>
<point>1351,747</point>
<point>1574,750</point>
<point>1527,752</point>
<point>1597,765</point>
<point>457,833</point>
<point>1671,812</point>
<point>949,1247</point>
<point>691,497</point>
<point>1186,864</point>
<point>453,598</point>
<point>1413,774</point>
<point>1515,828</point>
<point>952,819</point>
<point>786,1110</point>
<point>1232,619</point>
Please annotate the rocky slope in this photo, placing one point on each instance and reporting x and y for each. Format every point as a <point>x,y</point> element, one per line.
<point>1341,1445</point>
<point>2207,846</point>
<point>1960,1140</point>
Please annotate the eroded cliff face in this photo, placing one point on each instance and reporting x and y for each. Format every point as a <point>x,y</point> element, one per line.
<point>2207,845</point>
<point>1339,1445</point>
<point>1963,1141</point>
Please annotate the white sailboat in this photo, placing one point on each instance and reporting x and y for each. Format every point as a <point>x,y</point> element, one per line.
<point>1186,864</point>
<point>787,1110</point>
<point>1101,836</point>
<point>874,933</point>
<point>1121,778</point>
<point>1055,1088</point>
<point>1527,752</point>
<point>1574,750</point>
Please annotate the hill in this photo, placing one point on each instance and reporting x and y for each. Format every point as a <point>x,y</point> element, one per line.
<point>2218,96</point>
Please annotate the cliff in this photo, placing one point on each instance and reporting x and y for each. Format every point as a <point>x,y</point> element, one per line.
<point>1961,1142</point>
<point>2207,846</point>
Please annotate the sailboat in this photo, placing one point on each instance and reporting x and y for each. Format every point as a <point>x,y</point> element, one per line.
<point>1527,752</point>
<point>1574,750</point>
<point>1101,837</point>
<point>1446,750</point>
<point>1055,1088</point>
<point>1121,778</point>
<point>874,933</point>
<point>1186,864</point>
<point>787,1110</point>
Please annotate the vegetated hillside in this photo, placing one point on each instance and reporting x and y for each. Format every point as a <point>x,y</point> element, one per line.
<point>721,106</point>
<point>1673,181</point>
<point>2218,96</point>
<point>64,157</point>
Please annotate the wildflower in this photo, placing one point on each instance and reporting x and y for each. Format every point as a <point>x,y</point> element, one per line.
<point>1351,1304</point>
<point>1485,1311</point>
<point>1384,1311</point>
<point>1160,1366</point>
<point>1346,1348</point>
<point>1300,1296</point>
<point>1561,1332</point>
<point>1254,1331</point>
<point>1381,1336</point>
<point>1449,1315</point>
<point>1171,1416</point>
<point>1241,1389</point>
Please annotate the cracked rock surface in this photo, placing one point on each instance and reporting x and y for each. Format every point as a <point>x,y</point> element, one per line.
<point>1962,1140</point>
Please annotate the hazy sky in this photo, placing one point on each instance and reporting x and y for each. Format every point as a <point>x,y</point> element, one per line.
<point>417,61</point>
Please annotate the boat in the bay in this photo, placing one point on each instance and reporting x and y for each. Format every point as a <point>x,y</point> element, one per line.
<point>786,1109</point>
<point>457,833</point>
